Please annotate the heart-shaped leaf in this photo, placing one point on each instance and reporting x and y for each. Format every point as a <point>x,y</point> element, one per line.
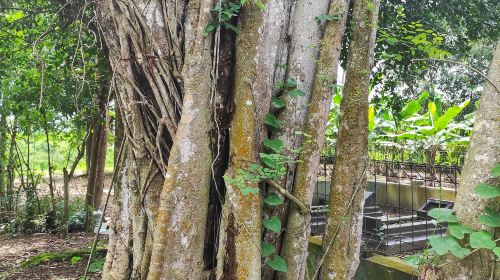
<point>278,264</point>
<point>267,249</point>
<point>278,103</point>
<point>272,224</point>
<point>459,230</point>
<point>443,215</point>
<point>273,199</point>
<point>482,239</point>
<point>486,191</point>
<point>274,144</point>
<point>296,93</point>
<point>491,218</point>
<point>272,121</point>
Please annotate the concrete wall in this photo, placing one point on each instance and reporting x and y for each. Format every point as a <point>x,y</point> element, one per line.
<point>373,268</point>
<point>410,196</point>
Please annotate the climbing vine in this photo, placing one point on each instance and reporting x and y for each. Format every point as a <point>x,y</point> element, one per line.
<point>272,169</point>
<point>457,242</point>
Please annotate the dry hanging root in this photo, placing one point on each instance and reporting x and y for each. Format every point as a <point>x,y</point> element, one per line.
<point>96,238</point>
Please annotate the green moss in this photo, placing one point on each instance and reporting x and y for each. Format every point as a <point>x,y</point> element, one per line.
<point>44,258</point>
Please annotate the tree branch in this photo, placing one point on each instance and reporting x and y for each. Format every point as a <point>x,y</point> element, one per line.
<point>303,208</point>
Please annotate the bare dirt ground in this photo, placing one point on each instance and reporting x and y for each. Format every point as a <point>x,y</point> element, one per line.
<point>14,250</point>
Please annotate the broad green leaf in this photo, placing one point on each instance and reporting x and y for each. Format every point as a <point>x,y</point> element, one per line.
<point>431,106</point>
<point>278,264</point>
<point>273,224</point>
<point>460,252</point>
<point>371,118</point>
<point>491,218</point>
<point>269,160</point>
<point>337,99</point>
<point>496,171</point>
<point>443,121</point>
<point>272,121</point>
<point>414,260</point>
<point>443,215</point>
<point>296,93</point>
<point>442,245</point>
<point>411,108</point>
<point>481,239</point>
<point>274,144</point>
<point>209,28</point>
<point>486,191</point>
<point>496,250</point>
<point>273,199</point>
<point>423,96</point>
<point>267,249</point>
<point>278,103</point>
<point>459,230</point>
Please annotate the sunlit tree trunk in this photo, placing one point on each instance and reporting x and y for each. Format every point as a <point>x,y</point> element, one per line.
<point>3,160</point>
<point>342,239</point>
<point>482,155</point>
<point>295,241</point>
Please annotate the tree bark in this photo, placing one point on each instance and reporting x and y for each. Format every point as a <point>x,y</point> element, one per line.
<point>482,155</point>
<point>295,241</point>
<point>260,47</point>
<point>305,35</point>
<point>49,162</point>
<point>3,160</point>
<point>162,61</point>
<point>351,153</point>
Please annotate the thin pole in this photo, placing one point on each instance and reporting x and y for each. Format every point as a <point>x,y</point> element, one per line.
<point>96,238</point>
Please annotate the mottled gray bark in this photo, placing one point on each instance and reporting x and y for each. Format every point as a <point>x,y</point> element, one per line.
<point>342,239</point>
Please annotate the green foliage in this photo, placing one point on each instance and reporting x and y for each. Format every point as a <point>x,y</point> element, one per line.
<point>482,239</point>
<point>97,265</point>
<point>278,263</point>
<point>75,260</point>
<point>273,224</point>
<point>486,191</point>
<point>324,18</point>
<point>443,215</point>
<point>462,240</point>
<point>267,249</point>
<point>227,12</point>
<point>273,200</point>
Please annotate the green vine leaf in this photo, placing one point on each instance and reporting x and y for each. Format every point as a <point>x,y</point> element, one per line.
<point>278,264</point>
<point>496,171</point>
<point>209,28</point>
<point>486,191</point>
<point>443,215</point>
<point>497,251</point>
<point>273,200</point>
<point>482,239</point>
<point>272,121</point>
<point>278,103</point>
<point>273,224</point>
<point>296,93</point>
<point>267,249</point>
<point>291,83</point>
<point>491,218</point>
<point>276,145</point>
<point>322,18</point>
<point>459,230</point>
<point>269,160</point>
<point>443,245</point>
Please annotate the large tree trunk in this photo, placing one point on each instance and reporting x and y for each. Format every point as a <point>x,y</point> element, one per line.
<point>295,241</point>
<point>162,63</point>
<point>351,153</point>
<point>483,154</point>
<point>259,49</point>
<point>305,35</point>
